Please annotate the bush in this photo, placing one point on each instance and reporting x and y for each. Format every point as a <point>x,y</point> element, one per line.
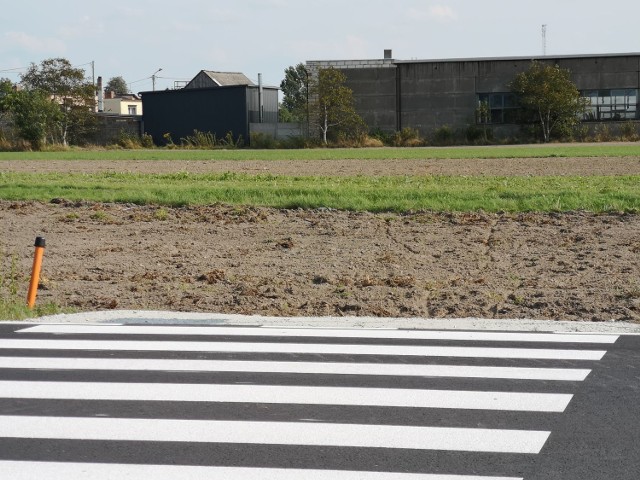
<point>147,141</point>
<point>261,140</point>
<point>629,132</point>
<point>603,133</point>
<point>208,141</point>
<point>199,140</point>
<point>5,144</point>
<point>581,132</point>
<point>407,137</point>
<point>372,142</point>
<point>385,137</point>
<point>479,135</point>
<point>129,140</point>
<point>443,136</point>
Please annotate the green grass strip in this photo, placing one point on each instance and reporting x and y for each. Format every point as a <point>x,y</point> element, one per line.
<point>375,194</point>
<point>517,151</point>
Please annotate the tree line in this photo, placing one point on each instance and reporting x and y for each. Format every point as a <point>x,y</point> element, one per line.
<point>55,103</point>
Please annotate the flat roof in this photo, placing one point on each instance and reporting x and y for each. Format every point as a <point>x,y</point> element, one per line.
<point>484,59</point>
<point>521,58</point>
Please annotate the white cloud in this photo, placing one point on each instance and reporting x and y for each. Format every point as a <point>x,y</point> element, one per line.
<point>34,44</point>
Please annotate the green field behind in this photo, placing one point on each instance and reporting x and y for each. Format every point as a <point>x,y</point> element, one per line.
<point>399,194</point>
<point>512,151</point>
<point>360,193</point>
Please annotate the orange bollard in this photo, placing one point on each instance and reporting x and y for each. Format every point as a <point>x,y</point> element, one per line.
<point>35,272</point>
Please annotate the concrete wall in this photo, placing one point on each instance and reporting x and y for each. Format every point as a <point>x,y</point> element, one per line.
<point>428,94</point>
<point>375,100</point>
<point>279,131</point>
<point>111,127</point>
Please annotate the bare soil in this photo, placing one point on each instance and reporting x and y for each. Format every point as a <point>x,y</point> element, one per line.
<point>573,266</point>
<point>512,166</point>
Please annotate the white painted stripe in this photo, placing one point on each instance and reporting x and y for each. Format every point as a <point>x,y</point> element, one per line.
<point>275,433</point>
<point>379,397</point>
<point>396,370</point>
<point>109,471</point>
<point>402,350</point>
<point>323,332</point>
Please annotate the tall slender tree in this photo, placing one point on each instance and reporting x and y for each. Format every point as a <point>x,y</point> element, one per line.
<point>333,105</point>
<point>295,91</point>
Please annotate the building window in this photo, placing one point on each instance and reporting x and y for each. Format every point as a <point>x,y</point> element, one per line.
<point>133,109</point>
<point>503,107</point>
<point>612,104</point>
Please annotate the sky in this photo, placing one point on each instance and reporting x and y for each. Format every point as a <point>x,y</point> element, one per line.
<point>135,38</point>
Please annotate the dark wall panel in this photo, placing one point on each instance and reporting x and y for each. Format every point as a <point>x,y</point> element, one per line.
<point>179,112</point>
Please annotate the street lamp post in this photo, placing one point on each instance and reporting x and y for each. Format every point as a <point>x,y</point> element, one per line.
<point>153,78</point>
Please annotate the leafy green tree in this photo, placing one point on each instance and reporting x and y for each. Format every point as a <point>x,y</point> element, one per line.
<point>117,85</point>
<point>295,91</point>
<point>33,115</point>
<point>547,94</point>
<point>69,88</point>
<point>6,86</point>
<point>333,105</point>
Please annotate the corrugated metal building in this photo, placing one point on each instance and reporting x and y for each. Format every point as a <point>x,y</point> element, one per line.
<point>212,102</point>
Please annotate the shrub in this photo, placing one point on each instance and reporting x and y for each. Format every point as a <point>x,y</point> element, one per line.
<point>629,132</point>
<point>385,137</point>
<point>581,132</point>
<point>146,141</point>
<point>128,140</point>
<point>372,142</point>
<point>443,136</point>
<point>5,144</point>
<point>479,134</point>
<point>262,141</point>
<point>407,137</point>
<point>603,133</point>
<point>208,141</point>
<point>199,140</point>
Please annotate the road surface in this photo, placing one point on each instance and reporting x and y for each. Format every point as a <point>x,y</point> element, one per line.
<point>130,401</point>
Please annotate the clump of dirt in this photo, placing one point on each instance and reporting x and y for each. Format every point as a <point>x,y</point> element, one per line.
<point>573,266</point>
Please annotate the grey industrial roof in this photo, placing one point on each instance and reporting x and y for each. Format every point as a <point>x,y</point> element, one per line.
<point>224,79</point>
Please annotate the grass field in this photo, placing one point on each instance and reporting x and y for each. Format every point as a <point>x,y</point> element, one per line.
<point>519,151</point>
<point>361,193</point>
<point>438,193</point>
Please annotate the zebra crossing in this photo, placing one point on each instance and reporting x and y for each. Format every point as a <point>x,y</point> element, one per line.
<point>128,401</point>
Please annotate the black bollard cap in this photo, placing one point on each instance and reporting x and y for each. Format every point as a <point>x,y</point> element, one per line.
<point>40,242</point>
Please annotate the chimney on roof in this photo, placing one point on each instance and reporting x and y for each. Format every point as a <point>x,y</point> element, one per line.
<point>100,95</point>
<point>388,54</point>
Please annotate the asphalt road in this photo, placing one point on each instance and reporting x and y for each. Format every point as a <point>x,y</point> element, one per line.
<point>110,401</point>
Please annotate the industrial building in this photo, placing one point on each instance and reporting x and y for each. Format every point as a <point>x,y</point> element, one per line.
<point>213,102</point>
<point>427,94</point>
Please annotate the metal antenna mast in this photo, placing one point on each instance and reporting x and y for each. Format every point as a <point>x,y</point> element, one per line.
<point>544,40</point>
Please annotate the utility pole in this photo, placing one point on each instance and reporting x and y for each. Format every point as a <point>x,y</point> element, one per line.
<point>544,40</point>
<point>153,78</point>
